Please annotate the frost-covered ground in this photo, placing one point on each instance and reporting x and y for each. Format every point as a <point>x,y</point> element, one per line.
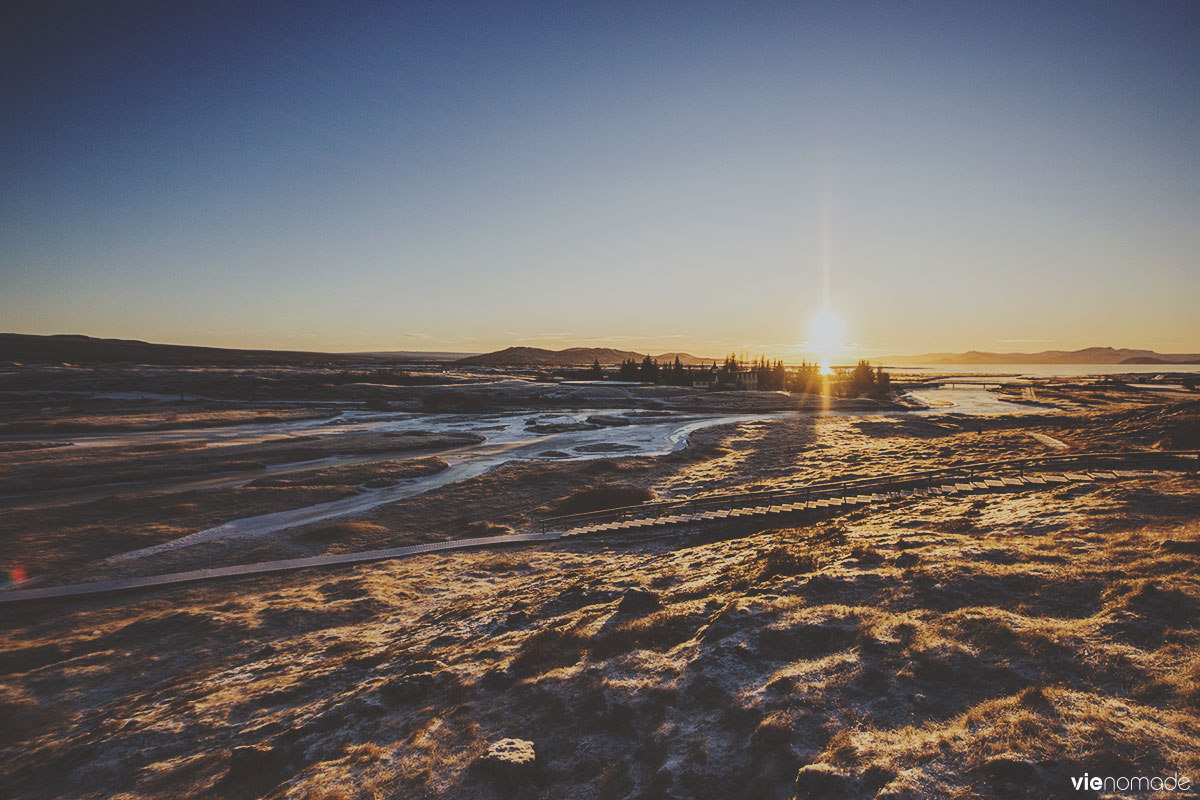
<point>952,647</point>
<point>980,647</point>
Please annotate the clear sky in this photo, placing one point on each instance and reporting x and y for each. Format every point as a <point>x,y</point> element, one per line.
<point>653,176</point>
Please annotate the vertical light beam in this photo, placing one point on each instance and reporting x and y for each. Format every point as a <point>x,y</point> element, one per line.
<point>825,247</point>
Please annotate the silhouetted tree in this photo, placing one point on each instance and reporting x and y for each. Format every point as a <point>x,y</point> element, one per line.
<point>883,382</point>
<point>628,370</point>
<point>649,370</point>
<point>771,377</point>
<point>597,370</point>
<point>806,378</point>
<point>779,375</point>
<point>862,380</point>
<point>676,374</point>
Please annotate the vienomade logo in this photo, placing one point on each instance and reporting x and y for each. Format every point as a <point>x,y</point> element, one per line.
<point>1140,783</point>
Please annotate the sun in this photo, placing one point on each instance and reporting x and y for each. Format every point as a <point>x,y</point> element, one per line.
<point>825,334</point>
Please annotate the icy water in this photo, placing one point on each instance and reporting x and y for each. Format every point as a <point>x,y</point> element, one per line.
<point>511,436</point>
<point>968,400</point>
<point>507,437</point>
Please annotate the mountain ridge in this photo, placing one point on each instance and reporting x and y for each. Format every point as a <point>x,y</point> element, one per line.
<point>1087,355</point>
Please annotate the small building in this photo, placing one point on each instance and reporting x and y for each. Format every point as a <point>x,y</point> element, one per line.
<point>720,378</point>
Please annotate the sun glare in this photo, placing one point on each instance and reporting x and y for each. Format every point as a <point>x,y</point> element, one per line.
<point>825,334</point>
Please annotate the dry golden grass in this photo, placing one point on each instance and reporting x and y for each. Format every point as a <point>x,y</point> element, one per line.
<point>1003,662</point>
<point>340,532</point>
<point>598,498</point>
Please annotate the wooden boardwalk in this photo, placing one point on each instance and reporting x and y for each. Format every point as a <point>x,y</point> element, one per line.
<point>262,568</point>
<point>856,500</point>
<point>817,500</point>
<point>1007,474</point>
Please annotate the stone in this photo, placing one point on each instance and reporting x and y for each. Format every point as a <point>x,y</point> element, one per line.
<point>510,762</point>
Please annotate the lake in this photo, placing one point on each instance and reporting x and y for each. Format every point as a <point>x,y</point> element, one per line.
<point>1040,370</point>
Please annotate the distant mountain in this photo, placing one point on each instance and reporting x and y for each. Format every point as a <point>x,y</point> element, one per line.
<point>571,357</point>
<point>1089,355</point>
<point>685,358</point>
<point>77,349</point>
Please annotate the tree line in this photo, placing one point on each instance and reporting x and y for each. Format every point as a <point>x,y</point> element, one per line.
<point>769,375</point>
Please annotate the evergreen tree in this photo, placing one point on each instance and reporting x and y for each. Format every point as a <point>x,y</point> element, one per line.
<point>862,380</point>
<point>676,375</point>
<point>649,370</point>
<point>807,378</point>
<point>883,383</point>
<point>597,370</point>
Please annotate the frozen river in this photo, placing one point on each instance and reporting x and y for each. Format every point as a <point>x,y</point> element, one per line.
<point>509,436</point>
<point>516,436</point>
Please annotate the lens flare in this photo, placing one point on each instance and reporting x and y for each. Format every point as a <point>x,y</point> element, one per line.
<point>825,334</point>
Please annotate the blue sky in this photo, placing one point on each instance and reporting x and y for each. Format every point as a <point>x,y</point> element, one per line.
<point>357,176</point>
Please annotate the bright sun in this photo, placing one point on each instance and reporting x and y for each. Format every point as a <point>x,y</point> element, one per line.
<point>825,334</point>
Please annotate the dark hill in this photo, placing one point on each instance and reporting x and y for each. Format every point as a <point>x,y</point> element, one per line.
<point>76,349</point>
<point>571,357</point>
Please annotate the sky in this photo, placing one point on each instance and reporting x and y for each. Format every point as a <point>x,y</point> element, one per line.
<point>652,176</point>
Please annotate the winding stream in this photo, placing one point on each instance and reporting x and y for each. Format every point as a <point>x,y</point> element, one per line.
<point>508,436</point>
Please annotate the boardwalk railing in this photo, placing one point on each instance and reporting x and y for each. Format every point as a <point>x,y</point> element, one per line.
<point>1141,459</point>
